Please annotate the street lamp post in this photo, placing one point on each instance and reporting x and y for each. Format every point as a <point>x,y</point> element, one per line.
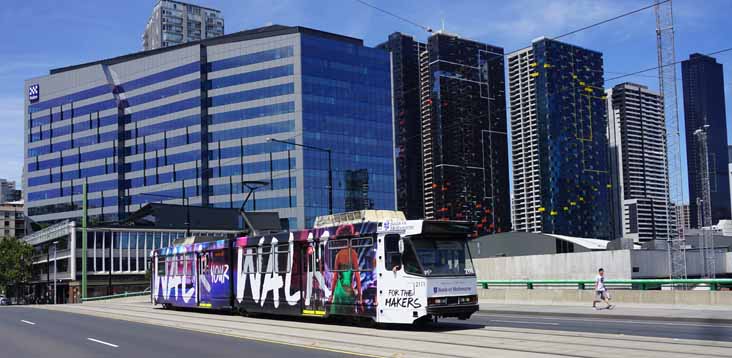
<point>330,166</point>
<point>55,248</point>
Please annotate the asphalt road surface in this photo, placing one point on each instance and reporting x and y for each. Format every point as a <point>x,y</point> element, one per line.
<point>701,330</point>
<point>28,332</point>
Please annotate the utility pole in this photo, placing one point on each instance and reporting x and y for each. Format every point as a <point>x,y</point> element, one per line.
<point>111,263</point>
<point>48,271</point>
<point>84,215</point>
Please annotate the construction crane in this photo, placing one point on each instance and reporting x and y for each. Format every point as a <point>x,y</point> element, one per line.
<point>704,205</point>
<point>676,242</point>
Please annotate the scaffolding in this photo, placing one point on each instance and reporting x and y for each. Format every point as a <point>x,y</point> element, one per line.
<point>676,242</point>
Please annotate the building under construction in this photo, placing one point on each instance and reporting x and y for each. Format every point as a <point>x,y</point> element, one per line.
<point>452,142</point>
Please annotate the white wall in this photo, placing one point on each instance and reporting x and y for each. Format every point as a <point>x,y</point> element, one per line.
<point>571,266</point>
<point>618,265</point>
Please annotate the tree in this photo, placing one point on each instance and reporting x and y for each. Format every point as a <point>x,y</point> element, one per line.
<point>15,262</point>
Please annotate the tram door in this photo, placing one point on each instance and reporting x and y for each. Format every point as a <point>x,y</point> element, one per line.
<point>314,294</point>
<point>204,273</point>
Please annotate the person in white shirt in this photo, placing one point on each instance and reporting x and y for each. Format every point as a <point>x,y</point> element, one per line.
<point>600,290</point>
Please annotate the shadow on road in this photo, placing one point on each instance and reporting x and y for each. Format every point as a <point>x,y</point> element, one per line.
<point>440,326</point>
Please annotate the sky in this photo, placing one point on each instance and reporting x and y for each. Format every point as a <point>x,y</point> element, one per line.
<point>46,34</point>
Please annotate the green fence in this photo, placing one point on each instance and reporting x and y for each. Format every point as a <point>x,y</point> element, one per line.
<point>119,295</point>
<point>642,284</point>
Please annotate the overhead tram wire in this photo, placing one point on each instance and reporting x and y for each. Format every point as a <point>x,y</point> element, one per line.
<point>632,12</point>
<point>236,159</point>
<point>425,28</point>
<point>610,19</point>
<point>670,64</point>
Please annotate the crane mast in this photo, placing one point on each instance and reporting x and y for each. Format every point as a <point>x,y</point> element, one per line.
<point>676,242</point>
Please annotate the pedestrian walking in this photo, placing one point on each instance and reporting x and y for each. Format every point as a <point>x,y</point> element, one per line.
<point>601,293</point>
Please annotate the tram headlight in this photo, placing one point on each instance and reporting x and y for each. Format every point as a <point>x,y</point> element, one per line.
<point>467,299</point>
<point>437,301</point>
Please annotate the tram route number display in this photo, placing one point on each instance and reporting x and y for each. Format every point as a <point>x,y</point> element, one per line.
<point>402,299</point>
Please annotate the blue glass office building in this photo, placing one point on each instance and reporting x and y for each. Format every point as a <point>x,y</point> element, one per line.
<point>192,122</point>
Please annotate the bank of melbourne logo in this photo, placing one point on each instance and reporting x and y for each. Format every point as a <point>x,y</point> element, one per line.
<point>435,290</point>
<point>34,92</point>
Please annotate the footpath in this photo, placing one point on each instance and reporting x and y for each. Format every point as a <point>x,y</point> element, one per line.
<point>659,312</point>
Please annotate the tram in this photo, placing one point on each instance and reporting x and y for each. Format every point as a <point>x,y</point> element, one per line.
<point>368,264</point>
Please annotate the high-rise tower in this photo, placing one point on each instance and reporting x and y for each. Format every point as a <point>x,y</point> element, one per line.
<point>560,166</point>
<point>703,84</point>
<point>452,145</point>
<point>174,22</point>
<point>636,116</point>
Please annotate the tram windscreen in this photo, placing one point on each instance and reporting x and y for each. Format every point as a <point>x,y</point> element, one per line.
<point>443,257</point>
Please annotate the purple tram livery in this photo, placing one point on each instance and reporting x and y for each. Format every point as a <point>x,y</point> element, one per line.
<point>370,264</point>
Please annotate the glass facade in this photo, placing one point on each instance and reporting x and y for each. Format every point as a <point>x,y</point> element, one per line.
<point>574,170</point>
<point>703,85</point>
<point>451,136</point>
<point>407,117</point>
<point>468,133</point>
<point>196,124</point>
<point>347,109</point>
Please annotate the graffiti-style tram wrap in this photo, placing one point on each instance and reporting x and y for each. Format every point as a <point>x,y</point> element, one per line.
<point>370,264</point>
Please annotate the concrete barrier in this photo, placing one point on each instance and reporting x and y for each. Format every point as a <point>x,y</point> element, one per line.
<point>574,296</point>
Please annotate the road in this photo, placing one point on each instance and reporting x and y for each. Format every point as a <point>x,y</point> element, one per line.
<point>139,328</point>
<point>645,327</point>
<point>29,332</point>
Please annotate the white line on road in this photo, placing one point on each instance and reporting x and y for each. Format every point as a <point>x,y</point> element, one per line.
<point>525,322</point>
<point>28,322</point>
<point>103,342</point>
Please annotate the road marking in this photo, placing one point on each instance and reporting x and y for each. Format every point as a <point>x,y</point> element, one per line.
<point>28,322</point>
<point>103,342</point>
<point>525,322</point>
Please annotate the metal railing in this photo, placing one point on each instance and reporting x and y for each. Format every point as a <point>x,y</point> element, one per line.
<point>119,295</point>
<point>641,284</point>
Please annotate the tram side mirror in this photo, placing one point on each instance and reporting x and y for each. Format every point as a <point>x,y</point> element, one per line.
<point>401,246</point>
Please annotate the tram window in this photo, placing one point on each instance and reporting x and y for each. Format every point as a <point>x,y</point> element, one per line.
<point>409,258</point>
<point>185,263</point>
<point>181,265</point>
<point>161,267</point>
<point>188,265</point>
<point>282,253</point>
<point>339,255</point>
<point>393,259</point>
<point>364,247</point>
<point>172,266</point>
<point>250,255</point>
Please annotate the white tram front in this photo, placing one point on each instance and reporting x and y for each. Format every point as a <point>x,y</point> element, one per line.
<point>424,269</point>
